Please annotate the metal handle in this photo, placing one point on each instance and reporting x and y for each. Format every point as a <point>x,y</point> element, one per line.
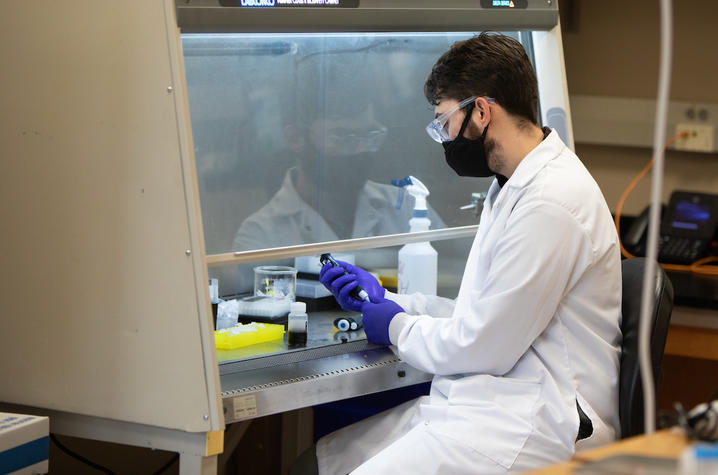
<point>477,203</point>
<point>242,257</point>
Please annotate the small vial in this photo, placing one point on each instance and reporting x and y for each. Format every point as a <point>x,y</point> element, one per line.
<point>342,324</point>
<point>297,324</point>
<point>346,324</point>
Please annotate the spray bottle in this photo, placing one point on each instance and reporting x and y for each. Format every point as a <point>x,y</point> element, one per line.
<point>417,261</point>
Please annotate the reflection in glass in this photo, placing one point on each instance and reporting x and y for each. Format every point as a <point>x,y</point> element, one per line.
<point>297,137</point>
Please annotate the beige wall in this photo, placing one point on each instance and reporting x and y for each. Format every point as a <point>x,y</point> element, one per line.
<point>614,52</point>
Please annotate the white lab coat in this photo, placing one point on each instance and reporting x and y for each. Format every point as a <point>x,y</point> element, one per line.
<point>535,328</point>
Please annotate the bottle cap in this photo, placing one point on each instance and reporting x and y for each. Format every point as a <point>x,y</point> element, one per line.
<point>298,307</point>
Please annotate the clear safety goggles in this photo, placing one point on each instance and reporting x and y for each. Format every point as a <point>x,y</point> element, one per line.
<point>438,129</point>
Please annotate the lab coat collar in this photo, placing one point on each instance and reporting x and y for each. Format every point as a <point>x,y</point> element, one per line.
<point>291,202</point>
<point>547,150</point>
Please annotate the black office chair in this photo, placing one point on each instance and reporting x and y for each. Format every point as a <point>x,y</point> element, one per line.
<point>630,390</point>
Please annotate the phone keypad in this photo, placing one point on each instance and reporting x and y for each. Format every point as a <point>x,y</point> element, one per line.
<point>680,250</point>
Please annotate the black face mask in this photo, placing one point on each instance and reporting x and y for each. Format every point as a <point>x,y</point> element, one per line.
<point>467,157</point>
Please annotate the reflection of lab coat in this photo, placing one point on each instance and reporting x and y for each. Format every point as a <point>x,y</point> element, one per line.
<point>287,219</point>
<point>533,331</point>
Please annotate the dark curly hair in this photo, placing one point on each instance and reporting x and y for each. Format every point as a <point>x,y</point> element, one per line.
<point>492,65</point>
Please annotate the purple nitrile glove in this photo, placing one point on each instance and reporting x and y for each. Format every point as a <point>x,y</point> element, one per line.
<point>376,318</point>
<point>342,286</point>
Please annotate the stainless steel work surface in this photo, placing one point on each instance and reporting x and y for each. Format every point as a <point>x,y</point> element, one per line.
<point>260,392</point>
<point>272,377</point>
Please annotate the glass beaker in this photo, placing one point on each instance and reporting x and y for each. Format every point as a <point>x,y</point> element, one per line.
<point>279,282</point>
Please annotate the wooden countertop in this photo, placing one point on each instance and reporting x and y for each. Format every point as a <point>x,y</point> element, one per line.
<point>664,443</point>
<point>693,333</point>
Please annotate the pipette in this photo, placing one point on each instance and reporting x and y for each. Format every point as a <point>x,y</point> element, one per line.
<point>358,292</point>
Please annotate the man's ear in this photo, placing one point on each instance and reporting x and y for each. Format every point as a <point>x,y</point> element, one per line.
<point>482,107</point>
<point>294,139</point>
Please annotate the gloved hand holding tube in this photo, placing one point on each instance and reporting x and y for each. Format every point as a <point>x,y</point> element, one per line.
<point>343,279</point>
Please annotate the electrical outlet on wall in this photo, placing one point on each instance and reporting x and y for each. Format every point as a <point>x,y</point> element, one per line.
<point>700,137</point>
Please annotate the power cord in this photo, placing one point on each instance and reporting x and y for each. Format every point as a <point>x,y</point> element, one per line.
<point>79,457</point>
<point>99,467</point>
<point>631,186</point>
<point>169,463</point>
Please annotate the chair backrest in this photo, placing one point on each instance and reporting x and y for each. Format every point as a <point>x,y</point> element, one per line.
<point>630,390</point>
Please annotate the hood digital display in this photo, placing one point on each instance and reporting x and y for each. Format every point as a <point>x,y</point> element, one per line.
<point>290,3</point>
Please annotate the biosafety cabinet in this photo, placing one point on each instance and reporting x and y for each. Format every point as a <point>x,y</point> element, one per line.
<point>149,146</point>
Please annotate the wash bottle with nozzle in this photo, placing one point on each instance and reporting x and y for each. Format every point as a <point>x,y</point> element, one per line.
<point>418,260</point>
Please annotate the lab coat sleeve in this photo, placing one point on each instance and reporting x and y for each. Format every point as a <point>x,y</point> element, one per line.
<point>532,267</point>
<point>420,304</point>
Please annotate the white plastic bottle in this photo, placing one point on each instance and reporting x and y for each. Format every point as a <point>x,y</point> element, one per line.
<point>417,261</point>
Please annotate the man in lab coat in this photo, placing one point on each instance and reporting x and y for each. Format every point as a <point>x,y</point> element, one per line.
<point>526,359</point>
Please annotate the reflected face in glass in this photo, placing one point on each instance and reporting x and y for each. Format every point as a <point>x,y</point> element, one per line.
<point>346,136</point>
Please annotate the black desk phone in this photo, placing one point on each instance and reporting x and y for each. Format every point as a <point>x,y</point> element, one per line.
<point>688,226</point>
